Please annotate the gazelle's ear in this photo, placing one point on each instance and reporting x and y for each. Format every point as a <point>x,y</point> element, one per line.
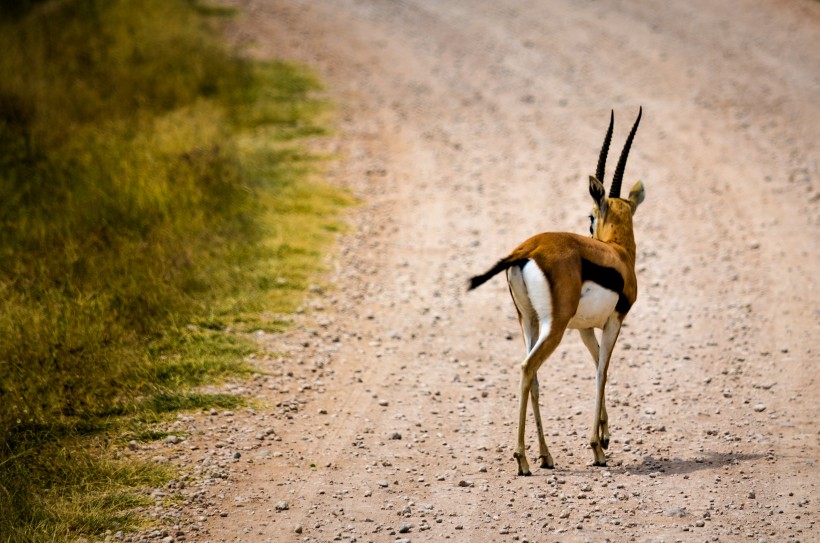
<point>636,195</point>
<point>596,190</point>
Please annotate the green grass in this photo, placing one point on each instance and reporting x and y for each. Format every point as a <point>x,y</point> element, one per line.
<point>89,490</point>
<point>156,207</point>
<point>178,401</point>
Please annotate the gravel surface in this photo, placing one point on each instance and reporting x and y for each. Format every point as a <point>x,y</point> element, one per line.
<point>388,412</point>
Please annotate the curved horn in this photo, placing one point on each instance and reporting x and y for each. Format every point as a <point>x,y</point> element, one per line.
<point>615,190</point>
<point>599,171</point>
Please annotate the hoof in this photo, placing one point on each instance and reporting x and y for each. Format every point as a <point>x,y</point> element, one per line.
<point>546,463</point>
<point>605,443</point>
<point>602,463</point>
<point>523,466</point>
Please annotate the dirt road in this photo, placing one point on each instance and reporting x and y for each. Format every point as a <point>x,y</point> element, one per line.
<point>389,412</point>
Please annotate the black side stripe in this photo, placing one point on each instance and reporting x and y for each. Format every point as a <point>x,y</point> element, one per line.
<point>610,279</point>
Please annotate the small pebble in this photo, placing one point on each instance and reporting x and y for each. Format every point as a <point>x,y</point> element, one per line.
<point>298,529</point>
<point>405,528</point>
<point>675,512</point>
<point>760,407</point>
<point>394,435</point>
<point>282,506</point>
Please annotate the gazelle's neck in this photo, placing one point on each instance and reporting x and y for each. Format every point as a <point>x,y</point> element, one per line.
<point>616,228</point>
<point>624,241</point>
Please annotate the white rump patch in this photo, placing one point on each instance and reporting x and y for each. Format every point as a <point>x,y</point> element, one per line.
<point>539,292</point>
<point>531,294</point>
<point>596,306</point>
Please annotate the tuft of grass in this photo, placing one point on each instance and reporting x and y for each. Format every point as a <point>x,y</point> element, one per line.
<point>89,492</point>
<point>195,356</point>
<point>155,207</point>
<point>169,402</point>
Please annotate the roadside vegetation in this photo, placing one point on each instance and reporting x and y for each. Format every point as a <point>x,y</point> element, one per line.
<point>155,208</point>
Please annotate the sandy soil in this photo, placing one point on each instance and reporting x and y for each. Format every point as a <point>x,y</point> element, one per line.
<point>388,413</point>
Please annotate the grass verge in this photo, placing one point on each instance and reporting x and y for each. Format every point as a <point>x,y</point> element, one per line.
<point>155,207</point>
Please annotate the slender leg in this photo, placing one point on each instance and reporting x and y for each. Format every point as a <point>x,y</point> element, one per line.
<point>519,454</point>
<point>531,293</point>
<point>543,452</point>
<point>544,347</point>
<point>588,337</point>
<point>530,330</point>
<point>530,326</point>
<point>608,338</point>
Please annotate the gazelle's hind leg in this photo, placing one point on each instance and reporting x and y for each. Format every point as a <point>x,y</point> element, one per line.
<point>529,322</point>
<point>543,452</point>
<point>531,295</point>
<point>588,337</point>
<point>546,344</point>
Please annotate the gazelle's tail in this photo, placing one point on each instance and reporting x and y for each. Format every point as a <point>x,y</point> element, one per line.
<point>501,265</point>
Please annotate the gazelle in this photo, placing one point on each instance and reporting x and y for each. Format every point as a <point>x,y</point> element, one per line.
<point>561,280</point>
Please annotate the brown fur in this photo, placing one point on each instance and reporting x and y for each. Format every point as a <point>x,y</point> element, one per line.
<point>559,255</point>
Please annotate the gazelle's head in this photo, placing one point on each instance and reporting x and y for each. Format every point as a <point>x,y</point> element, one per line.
<point>611,218</point>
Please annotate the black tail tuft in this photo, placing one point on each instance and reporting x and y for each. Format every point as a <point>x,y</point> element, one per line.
<point>501,266</point>
<point>478,280</point>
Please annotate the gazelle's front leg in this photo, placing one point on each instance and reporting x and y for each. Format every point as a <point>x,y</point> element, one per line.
<point>608,338</point>
<point>588,337</point>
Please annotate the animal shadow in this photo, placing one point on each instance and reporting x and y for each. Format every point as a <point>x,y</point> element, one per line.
<point>682,466</point>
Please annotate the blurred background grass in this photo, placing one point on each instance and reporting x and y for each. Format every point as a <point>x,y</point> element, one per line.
<point>154,207</point>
